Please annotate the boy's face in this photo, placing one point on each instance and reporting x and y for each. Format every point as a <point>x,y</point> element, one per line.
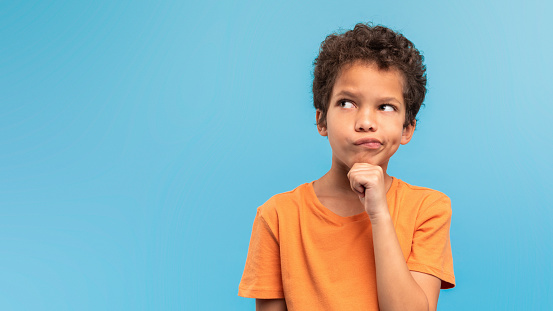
<point>365,117</point>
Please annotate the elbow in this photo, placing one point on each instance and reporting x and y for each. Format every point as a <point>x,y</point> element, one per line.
<point>423,304</point>
<point>419,304</point>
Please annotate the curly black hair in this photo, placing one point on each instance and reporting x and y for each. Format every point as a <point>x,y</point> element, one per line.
<point>374,45</point>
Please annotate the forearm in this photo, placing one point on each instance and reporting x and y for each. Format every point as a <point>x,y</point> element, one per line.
<point>397,290</point>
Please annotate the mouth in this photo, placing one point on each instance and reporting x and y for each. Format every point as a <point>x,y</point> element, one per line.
<point>371,143</point>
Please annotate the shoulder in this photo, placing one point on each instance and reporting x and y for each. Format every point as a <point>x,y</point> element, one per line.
<point>426,199</point>
<point>282,203</point>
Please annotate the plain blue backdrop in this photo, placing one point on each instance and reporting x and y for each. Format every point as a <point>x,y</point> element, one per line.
<point>137,139</point>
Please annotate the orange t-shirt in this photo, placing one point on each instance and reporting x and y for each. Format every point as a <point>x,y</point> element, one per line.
<point>317,260</point>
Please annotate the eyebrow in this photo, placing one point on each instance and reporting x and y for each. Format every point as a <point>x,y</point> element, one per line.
<point>350,94</point>
<point>346,93</point>
<point>390,99</point>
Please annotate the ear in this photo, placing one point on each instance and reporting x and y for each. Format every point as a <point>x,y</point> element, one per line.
<point>407,133</point>
<point>322,129</point>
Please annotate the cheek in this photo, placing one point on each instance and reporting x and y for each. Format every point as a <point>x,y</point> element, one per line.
<point>336,140</point>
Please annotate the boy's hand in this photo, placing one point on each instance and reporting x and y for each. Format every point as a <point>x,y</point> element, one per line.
<point>368,182</point>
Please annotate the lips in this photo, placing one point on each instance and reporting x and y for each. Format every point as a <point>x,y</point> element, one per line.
<point>372,143</point>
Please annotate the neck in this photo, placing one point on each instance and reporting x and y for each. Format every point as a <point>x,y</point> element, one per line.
<point>337,179</point>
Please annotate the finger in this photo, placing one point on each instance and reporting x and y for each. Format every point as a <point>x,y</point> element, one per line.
<point>360,191</point>
<point>357,187</point>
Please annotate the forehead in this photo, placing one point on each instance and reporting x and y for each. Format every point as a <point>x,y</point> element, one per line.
<point>367,77</point>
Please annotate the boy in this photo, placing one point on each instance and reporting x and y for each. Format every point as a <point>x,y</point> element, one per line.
<point>356,238</point>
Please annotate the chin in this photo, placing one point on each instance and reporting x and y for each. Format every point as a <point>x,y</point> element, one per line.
<point>369,160</point>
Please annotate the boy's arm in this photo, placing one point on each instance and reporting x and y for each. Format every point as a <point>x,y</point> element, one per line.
<point>397,287</point>
<point>431,287</point>
<point>270,305</point>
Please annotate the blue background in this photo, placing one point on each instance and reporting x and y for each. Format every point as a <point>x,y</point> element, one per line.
<point>138,138</point>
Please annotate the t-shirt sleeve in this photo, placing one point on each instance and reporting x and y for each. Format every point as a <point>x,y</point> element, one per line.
<point>262,277</point>
<point>431,247</point>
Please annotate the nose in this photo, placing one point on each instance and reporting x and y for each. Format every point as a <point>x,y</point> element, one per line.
<point>365,121</point>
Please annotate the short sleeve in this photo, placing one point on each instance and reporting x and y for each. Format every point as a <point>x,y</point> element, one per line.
<point>431,247</point>
<point>262,276</point>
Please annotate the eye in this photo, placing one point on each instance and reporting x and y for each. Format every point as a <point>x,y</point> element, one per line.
<point>346,104</point>
<point>388,107</point>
